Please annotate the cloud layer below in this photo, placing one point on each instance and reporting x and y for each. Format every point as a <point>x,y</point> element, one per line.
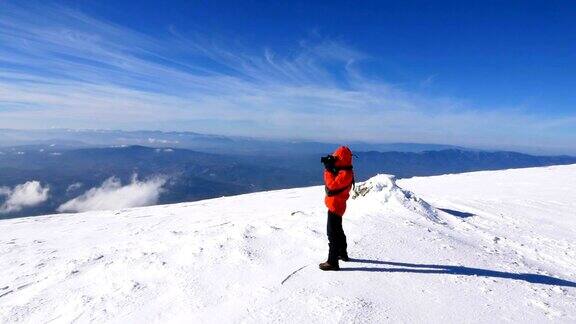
<point>28,194</point>
<point>113,195</point>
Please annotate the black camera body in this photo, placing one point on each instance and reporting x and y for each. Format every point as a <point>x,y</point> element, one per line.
<point>329,162</point>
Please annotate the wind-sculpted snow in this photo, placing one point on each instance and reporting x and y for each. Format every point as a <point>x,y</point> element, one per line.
<point>383,188</point>
<point>504,252</point>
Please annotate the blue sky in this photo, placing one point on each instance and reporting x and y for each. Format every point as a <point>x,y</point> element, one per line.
<point>492,74</point>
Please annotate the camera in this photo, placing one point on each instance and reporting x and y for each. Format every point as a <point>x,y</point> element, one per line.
<point>328,160</point>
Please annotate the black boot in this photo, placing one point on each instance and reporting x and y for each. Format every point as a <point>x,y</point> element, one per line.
<point>344,256</point>
<point>328,266</point>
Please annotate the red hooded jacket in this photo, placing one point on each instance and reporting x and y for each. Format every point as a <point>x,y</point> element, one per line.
<point>338,185</point>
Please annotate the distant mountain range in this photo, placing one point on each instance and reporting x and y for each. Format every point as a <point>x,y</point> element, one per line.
<point>67,138</point>
<point>193,175</point>
<point>409,164</point>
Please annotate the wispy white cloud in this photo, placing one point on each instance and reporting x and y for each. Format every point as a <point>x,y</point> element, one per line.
<point>28,194</point>
<point>68,69</point>
<point>113,195</point>
<point>75,186</point>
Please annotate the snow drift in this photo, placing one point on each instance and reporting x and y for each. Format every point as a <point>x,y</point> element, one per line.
<point>383,189</point>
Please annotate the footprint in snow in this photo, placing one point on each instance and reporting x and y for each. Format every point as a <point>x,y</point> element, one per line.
<point>560,290</point>
<point>316,232</point>
<point>24,285</point>
<point>6,293</point>
<point>548,310</point>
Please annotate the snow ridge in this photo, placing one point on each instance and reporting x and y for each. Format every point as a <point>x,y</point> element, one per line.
<point>383,189</point>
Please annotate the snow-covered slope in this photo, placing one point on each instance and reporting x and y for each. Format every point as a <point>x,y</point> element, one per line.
<point>478,247</point>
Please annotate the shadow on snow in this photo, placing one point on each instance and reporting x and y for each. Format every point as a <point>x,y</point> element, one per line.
<point>459,270</point>
<point>457,213</point>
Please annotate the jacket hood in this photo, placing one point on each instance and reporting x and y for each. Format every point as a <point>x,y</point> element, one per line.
<point>343,156</point>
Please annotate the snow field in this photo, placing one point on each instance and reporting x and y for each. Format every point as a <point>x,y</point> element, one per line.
<point>478,248</point>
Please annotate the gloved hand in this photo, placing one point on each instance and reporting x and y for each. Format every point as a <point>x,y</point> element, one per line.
<point>331,168</point>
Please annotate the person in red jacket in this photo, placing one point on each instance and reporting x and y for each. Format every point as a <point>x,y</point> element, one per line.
<point>338,180</point>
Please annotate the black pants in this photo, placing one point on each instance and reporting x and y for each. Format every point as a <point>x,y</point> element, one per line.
<point>336,238</point>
